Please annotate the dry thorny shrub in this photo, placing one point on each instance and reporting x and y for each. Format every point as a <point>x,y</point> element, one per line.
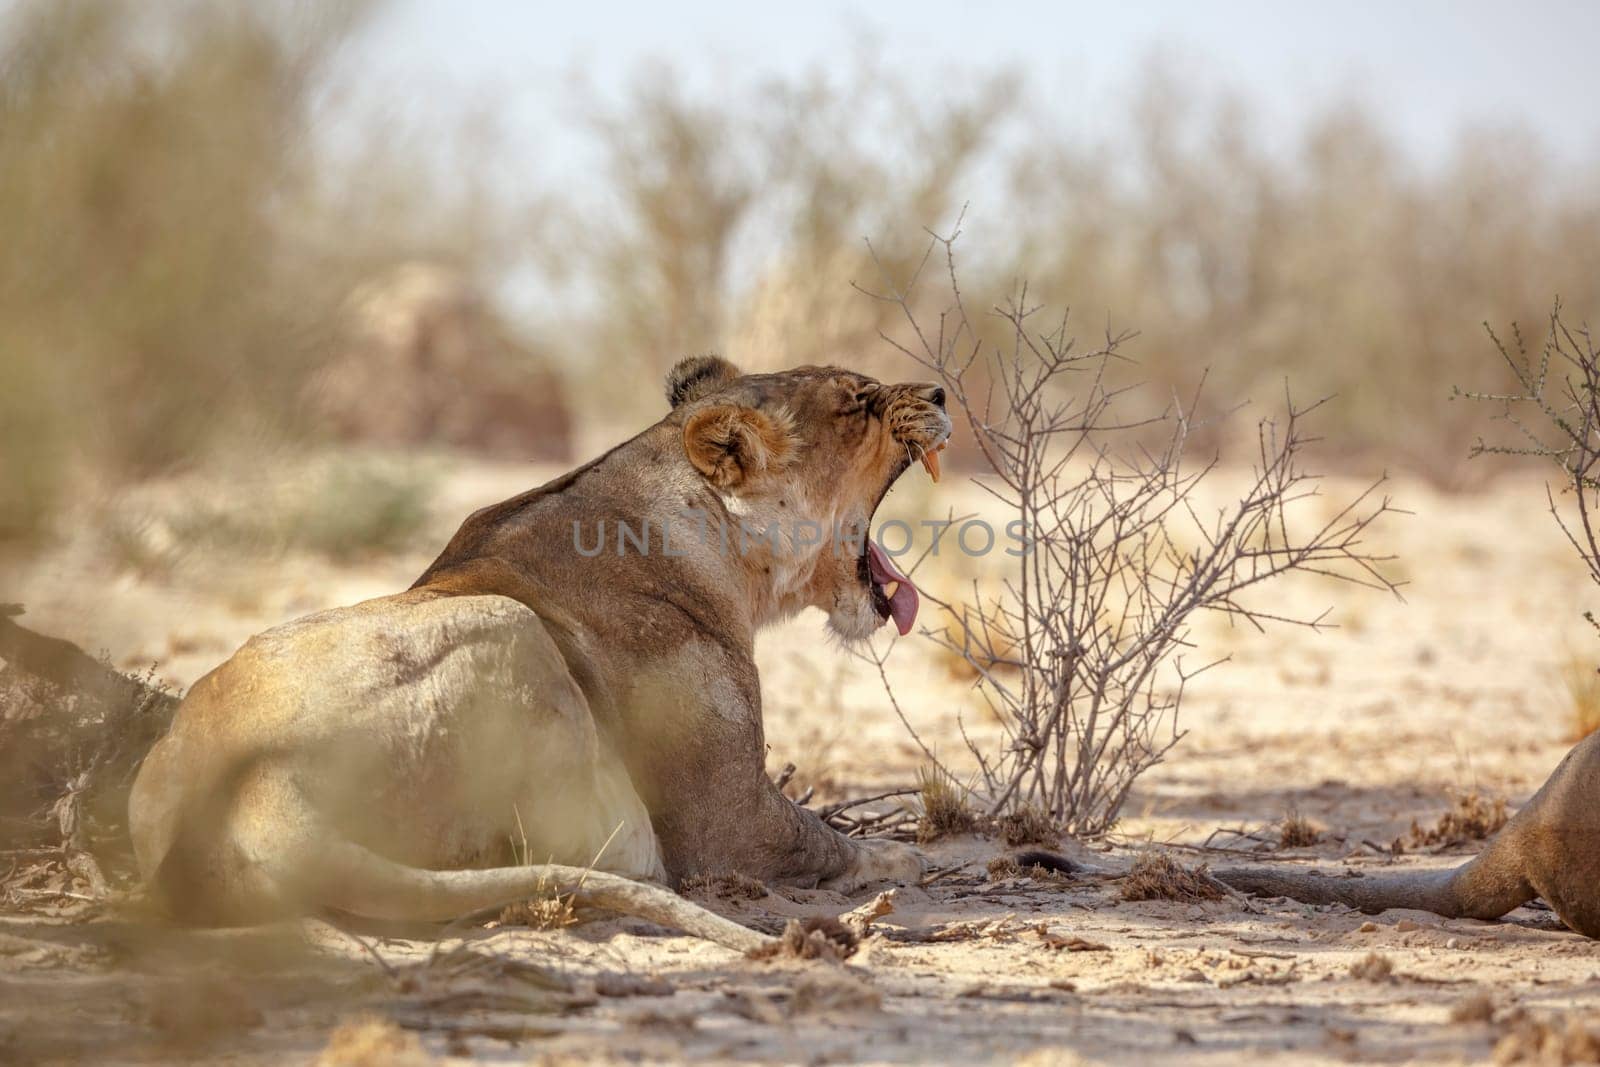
<point>1472,817</point>
<point>1180,218</point>
<point>1157,876</point>
<point>163,165</point>
<point>1554,414</point>
<point>717,220</point>
<point>1097,610</point>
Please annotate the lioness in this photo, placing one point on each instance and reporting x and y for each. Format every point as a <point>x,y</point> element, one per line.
<point>571,681</point>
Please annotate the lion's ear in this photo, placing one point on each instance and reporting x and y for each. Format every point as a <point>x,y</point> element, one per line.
<point>698,376</point>
<point>731,444</point>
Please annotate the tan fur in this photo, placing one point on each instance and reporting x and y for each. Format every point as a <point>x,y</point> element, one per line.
<point>730,443</point>
<point>528,703</point>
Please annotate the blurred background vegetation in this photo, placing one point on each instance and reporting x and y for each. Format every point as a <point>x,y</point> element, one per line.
<point>212,248</point>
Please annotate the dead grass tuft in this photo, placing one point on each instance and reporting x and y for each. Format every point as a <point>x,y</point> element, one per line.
<point>1478,1008</point>
<point>1003,867</point>
<point>1474,817</point>
<point>944,807</point>
<point>1582,682</point>
<point>194,1011</point>
<point>1296,831</point>
<point>833,991</point>
<point>1157,876</point>
<point>1029,826</point>
<point>1548,1039</point>
<point>545,910</point>
<point>1373,967</point>
<point>372,1042</point>
<point>822,938</point>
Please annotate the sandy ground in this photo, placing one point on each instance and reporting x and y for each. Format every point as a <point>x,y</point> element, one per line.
<point>1361,729</point>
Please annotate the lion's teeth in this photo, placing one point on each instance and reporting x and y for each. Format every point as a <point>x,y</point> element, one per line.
<point>890,590</point>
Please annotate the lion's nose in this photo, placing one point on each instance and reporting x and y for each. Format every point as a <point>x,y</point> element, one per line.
<point>933,394</point>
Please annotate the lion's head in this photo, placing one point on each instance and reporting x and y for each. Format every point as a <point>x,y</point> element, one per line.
<point>810,453</point>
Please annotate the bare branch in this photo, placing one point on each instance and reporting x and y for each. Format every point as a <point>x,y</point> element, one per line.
<point>1555,412</point>
<point>1079,657</point>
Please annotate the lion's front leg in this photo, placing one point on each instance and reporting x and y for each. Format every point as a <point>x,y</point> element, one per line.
<point>731,818</point>
<point>697,753</point>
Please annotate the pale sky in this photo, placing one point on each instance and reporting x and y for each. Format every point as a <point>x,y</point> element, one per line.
<point>1427,68</point>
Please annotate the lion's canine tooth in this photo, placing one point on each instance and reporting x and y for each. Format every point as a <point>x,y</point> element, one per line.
<point>931,461</point>
<point>891,589</point>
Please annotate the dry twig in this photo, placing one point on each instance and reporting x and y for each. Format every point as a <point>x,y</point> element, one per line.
<point>1094,615</point>
<point>1555,414</point>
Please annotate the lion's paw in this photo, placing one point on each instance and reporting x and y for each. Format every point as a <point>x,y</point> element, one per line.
<point>880,861</point>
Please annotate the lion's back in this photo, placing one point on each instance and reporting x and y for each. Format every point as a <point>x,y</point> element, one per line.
<point>415,706</point>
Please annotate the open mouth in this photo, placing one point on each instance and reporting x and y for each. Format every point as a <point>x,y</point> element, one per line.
<point>894,595</point>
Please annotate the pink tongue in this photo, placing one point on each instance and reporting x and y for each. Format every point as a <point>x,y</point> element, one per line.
<point>903,605</point>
